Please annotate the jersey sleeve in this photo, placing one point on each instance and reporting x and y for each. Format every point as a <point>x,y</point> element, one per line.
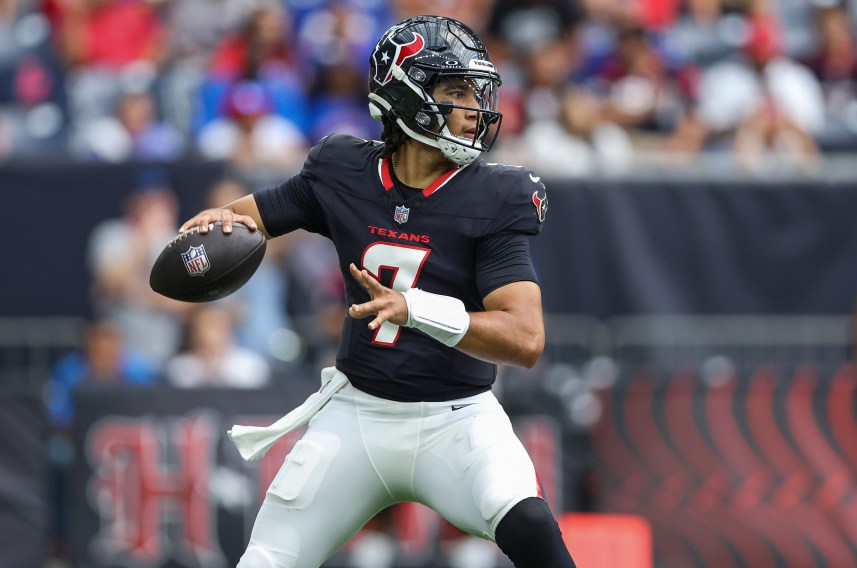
<point>523,202</point>
<point>502,259</point>
<point>293,204</point>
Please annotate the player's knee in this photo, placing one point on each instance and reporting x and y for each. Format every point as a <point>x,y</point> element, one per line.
<point>260,557</point>
<point>272,545</point>
<point>529,535</point>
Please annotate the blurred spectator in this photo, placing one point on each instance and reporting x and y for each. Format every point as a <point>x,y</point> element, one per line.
<point>340,33</point>
<point>834,63</point>
<point>133,132</point>
<point>253,108</point>
<point>110,47</point>
<point>108,34</point>
<point>835,58</point>
<point>335,38</point>
<point>260,53</point>
<point>195,29</point>
<point>32,88</point>
<point>210,357</point>
<point>562,131</point>
<point>524,26</point>
<point>251,133</point>
<point>263,43</point>
<point>580,142</point>
<point>764,104</point>
<point>534,43</point>
<point>121,253</point>
<point>103,361</point>
<point>339,104</point>
<point>643,90</point>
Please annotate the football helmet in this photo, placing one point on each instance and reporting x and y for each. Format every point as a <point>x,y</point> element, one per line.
<point>410,60</point>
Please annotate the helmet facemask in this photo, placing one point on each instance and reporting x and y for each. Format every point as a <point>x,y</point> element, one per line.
<point>472,94</point>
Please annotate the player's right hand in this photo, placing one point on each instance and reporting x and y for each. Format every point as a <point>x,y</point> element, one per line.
<point>227,217</point>
<point>385,303</point>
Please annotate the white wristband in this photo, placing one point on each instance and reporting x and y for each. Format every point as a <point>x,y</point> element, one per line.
<point>440,317</point>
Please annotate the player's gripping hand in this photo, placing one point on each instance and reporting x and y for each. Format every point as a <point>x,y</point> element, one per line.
<point>386,304</point>
<point>227,217</point>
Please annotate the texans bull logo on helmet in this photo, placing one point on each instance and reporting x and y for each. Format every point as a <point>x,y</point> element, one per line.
<point>383,65</point>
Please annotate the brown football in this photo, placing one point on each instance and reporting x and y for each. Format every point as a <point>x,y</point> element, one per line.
<point>202,267</point>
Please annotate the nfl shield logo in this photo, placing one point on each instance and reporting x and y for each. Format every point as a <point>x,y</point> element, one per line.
<point>401,215</point>
<point>196,261</point>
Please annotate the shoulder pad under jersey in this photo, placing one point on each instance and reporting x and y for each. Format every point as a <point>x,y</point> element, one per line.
<point>521,197</point>
<point>339,151</point>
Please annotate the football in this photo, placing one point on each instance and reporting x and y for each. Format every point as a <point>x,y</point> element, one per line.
<point>197,267</point>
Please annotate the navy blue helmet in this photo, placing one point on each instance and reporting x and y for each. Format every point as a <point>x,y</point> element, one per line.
<point>410,60</point>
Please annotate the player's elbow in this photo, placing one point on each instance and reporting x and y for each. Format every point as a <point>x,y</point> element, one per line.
<point>532,349</point>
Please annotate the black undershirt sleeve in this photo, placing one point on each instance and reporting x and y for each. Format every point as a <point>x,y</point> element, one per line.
<point>501,259</point>
<point>289,206</point>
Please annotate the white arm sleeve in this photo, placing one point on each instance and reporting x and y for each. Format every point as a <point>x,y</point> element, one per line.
<point>440,317</point>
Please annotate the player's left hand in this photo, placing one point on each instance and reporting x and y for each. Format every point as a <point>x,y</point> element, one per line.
<point>386,304</point>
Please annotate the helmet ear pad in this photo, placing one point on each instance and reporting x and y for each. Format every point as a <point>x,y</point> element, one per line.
<point>430,115</point>
<point>405,104</point>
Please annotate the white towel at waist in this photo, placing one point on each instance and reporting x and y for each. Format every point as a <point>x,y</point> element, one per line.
<point>253,442</point>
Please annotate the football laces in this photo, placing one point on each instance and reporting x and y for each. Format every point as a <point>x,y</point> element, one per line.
<point>190,231</point>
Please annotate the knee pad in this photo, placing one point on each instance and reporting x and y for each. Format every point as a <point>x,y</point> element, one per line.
<point>529,535</point>
<point>258,557</point>
<point>272,545</point>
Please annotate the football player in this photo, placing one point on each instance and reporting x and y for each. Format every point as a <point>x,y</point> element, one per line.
<point>434,246</point>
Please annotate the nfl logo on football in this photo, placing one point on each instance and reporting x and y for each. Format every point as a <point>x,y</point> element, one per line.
<point>196,261</point>
<point>401,214</point>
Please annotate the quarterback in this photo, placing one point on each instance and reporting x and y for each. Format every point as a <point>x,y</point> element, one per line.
<point>433,243</point>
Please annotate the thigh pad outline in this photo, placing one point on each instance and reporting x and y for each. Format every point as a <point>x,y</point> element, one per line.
<point>303,470</point>
<point>471,439</point>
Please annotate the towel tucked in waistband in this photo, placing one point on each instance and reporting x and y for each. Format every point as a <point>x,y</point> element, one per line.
<point>253,442</point>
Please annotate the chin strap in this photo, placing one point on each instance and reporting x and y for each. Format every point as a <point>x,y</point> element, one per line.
<point>443,318</point>
<point>462,154</point>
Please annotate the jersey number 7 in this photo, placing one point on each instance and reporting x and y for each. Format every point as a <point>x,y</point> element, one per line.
<point>406,262</point>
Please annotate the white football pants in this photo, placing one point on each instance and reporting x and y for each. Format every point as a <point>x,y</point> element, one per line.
<point>361,454</point>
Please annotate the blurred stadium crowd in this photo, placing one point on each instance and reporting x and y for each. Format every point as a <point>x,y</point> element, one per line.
<point>590,86</point>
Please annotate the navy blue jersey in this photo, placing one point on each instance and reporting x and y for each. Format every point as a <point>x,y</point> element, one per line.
<point>463,236</point>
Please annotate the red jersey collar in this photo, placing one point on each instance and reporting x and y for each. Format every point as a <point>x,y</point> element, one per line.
<point>387,177</point>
